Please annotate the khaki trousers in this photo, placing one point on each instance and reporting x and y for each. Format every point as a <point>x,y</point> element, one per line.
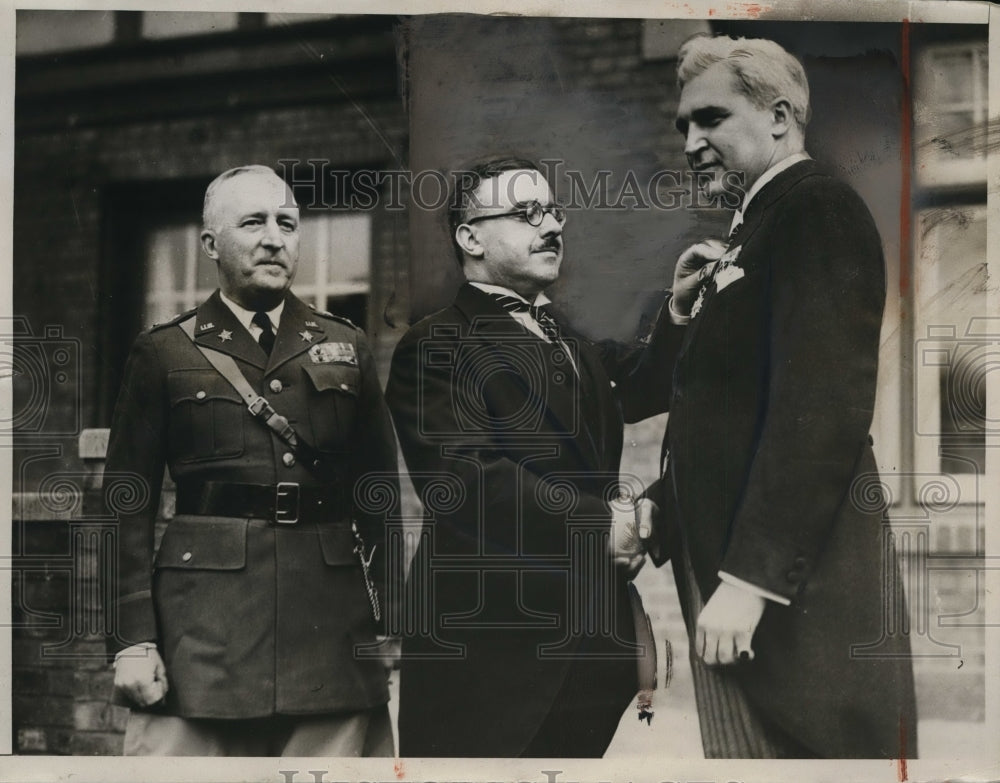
<point>367,733</point>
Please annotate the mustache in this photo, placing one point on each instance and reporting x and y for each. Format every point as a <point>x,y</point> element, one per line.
<point>554,245</point>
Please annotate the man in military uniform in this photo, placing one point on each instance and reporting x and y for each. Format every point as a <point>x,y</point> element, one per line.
<point>250,630</point>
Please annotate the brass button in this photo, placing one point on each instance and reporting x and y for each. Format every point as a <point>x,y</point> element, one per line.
<point>276,386</point>
<point>186,556</point>
<point>288,459</point>
<point>201,395</point>
<point>344,386</point>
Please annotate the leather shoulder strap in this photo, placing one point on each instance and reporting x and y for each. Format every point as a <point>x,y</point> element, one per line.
<point>258,406</point>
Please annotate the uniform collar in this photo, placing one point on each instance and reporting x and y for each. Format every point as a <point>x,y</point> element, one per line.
<point>245,316</point>
<point>216,327</point>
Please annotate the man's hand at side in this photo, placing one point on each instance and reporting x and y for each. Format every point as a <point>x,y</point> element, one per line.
<point>727,623</point>
<point>140,675</point>
<point>689,274</point>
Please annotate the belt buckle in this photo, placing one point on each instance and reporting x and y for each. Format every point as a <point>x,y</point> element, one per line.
<point>286,503</point>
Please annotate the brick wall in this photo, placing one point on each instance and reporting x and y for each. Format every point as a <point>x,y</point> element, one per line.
<point>66,178</point>
<point>62,178</point>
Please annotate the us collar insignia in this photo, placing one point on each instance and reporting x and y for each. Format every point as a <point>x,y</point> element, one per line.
<point>330,353</point>
<point>206,327</point>
<point>312,324</point>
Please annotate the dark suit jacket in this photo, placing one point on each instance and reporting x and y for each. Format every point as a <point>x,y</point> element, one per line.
<point>252,619</point>
<point>513,456</point>
<point>771,471</point>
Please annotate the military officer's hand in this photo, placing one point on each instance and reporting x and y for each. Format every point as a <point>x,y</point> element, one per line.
<point>693,266</point>
<point>140,675</point>
<point>624,545</point>
<point>727,623</point>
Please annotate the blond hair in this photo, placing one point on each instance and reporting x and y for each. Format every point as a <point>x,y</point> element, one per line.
<point>764,71</point>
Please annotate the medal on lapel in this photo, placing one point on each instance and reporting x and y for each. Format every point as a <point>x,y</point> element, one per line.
<point>705,278</point>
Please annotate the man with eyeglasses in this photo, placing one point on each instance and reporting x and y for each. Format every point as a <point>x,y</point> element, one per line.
<point>524,645</point>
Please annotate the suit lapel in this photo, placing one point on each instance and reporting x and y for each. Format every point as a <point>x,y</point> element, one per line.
<point>769,194</point>
<point>216,327</point>
<point>565,406</point>
<point>756,211</point>
<point>300,329</point>
<point>594,391</point>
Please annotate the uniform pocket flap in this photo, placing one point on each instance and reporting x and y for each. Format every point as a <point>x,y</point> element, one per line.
<point>199,386</point>
<point>334,377</point>
<point>208,543</point>
<point>337,543</point>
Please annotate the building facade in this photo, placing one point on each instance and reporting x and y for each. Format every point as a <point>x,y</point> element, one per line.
<point>121,120</point>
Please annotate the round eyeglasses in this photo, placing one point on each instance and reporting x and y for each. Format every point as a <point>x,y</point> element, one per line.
<point>532,212</point>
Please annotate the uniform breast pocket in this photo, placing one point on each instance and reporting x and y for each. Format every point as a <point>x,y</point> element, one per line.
<point>333,400</point>
<point>206,416</point>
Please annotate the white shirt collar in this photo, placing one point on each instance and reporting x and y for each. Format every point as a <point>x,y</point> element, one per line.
<point>490,288</point>
<point>762,180</point>
<point>245,316</point>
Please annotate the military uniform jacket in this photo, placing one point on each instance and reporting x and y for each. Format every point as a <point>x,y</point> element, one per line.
<point>510,451</point>
<point>771,474</point>
<point>251,618</point>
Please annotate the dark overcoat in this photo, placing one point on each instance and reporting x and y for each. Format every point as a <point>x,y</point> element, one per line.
<point>251,618</point>
<point>515,456</point>
<point>770,470</point>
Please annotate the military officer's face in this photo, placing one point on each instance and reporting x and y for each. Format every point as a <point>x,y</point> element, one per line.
<point>724,130</point>
<point>252,233</point>
<point>510,251</point>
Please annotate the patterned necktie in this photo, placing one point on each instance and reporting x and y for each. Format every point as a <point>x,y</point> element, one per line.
<point>548,324</point>
<point>266,338</point>
<point>545,320</point>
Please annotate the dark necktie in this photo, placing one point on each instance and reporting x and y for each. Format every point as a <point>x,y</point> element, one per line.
<point>266,338</point>
<point>539,312</point>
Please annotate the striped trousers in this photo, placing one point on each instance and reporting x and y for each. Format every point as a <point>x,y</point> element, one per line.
<point>731,726</point>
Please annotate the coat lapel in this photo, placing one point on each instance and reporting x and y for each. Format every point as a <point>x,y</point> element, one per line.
<point>216,327</point>
<point>768,194</point>
<point>565,407</point>
<point>756,211</point>
<point>300,329</point>
<point>594,392</point>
